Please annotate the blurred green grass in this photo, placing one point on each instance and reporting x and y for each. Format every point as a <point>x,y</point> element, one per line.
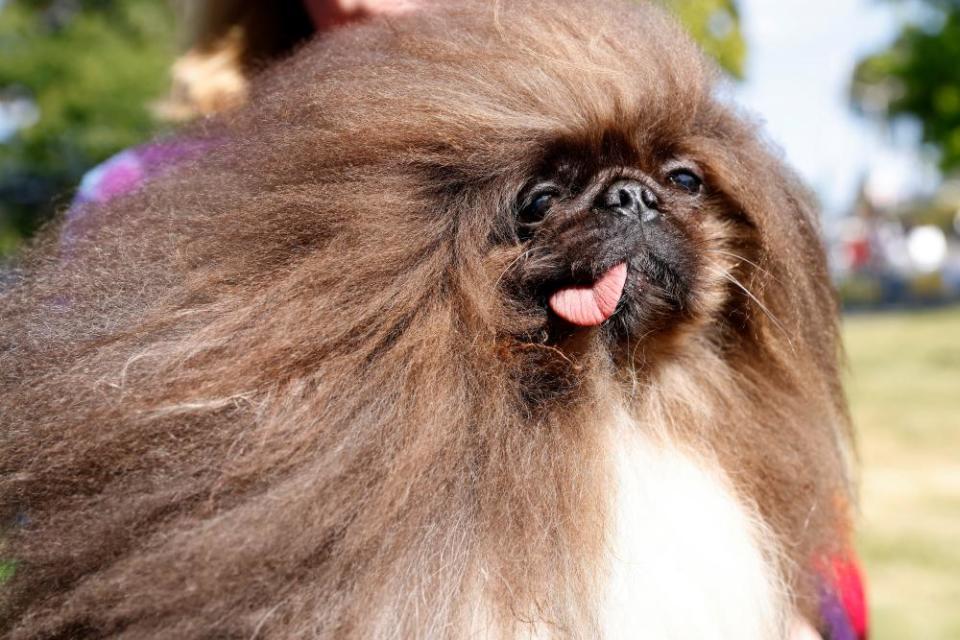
<point>904,387</point>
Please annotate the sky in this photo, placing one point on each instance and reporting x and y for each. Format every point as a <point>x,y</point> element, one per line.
<point>801,57</point>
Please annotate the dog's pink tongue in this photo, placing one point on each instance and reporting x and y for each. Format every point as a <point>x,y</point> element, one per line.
<point>591,306</point>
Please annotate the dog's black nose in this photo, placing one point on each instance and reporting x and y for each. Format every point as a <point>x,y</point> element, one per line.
<point>633,198</point>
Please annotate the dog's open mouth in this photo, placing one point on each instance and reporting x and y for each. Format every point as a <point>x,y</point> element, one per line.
<point>591,305</point>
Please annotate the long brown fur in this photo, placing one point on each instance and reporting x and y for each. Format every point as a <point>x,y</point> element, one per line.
<point>281,392</point>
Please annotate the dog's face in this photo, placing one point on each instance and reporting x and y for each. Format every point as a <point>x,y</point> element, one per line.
<point>612,197</point>
<point>622,237</point>
<point>637,233</point>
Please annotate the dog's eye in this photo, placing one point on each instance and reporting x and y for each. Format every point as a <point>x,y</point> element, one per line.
<point>537,207</point>
<point>686,180</point>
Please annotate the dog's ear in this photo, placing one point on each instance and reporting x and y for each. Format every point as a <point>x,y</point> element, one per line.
<point>781,231</point>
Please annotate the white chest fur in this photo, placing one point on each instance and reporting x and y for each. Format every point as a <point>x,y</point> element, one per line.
<point>688,560</point>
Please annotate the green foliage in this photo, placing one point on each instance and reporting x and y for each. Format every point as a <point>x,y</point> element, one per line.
<point>919,76</point>
<point>92,67</point>
<point>715,24</point>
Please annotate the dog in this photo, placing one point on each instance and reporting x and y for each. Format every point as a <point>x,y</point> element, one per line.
<point>490,320</point>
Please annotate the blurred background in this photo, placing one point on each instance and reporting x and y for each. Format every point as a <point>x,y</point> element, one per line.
<point>862,96</point>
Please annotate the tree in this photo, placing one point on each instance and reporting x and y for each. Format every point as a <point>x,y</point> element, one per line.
<point>715,24</point>
<point>92,68</point>
<point>918,76</point>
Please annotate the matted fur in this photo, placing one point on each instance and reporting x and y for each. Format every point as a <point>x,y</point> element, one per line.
<point>283,392</point>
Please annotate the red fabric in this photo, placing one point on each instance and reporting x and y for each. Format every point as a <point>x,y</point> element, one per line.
<point>848,581</point>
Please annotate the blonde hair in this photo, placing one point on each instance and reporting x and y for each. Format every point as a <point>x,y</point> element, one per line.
<point>225,41</point>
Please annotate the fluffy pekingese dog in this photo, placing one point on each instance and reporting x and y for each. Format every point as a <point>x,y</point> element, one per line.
<point>490,321</point>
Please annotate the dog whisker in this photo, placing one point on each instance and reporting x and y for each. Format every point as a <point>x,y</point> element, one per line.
<point>756,300</point>
<point>522,256</point>
<point>743,259</point>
